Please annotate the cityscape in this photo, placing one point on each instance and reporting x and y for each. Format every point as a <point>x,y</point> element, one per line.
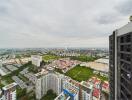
<point>59,74</point>
<point>66,50</point>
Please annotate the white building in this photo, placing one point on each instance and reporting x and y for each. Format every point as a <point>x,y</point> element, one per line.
<point>36,60</point>
<point>86,90</point>
<point>9,92</point>
<point>46,82</point>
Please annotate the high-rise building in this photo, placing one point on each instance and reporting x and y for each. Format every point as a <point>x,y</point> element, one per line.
<point>36,60</point>
<point>120,63</point>
<point>9,92</point>
<point>48,81</point>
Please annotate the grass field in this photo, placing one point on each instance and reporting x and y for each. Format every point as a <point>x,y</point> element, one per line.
<point>50,57</point>
<point>84,58</point>
<point>80,73</point>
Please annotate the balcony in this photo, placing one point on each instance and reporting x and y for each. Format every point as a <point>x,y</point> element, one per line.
<point>125,87</point>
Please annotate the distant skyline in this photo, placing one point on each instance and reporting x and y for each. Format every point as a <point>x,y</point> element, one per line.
<point>60,23</point>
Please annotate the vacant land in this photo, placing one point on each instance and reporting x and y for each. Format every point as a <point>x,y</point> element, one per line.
<point>80,73</point>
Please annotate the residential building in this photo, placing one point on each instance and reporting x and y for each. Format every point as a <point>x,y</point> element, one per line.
<point>96,94</point>
<point>120,45</point>
<point>71,88</point>
<point>86,90</point>
<point>36,60</point>
<point>9,92</point>
<point>48,81</point>
<point>105,86</point>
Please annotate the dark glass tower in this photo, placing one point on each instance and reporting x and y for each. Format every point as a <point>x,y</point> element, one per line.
<point>120,50</point>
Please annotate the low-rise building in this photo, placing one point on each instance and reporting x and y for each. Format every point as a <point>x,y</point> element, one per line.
<point>105,86</point>
<point>96,94</point>
<point>96,82</point>
<point>71,88</point>
<point>86,91</point>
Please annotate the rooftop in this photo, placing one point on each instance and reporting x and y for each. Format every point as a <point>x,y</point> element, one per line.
<point>9,86</point>
<point>105,85</point>
<point>86,86</point>
<point>62,96</point>
<point>96,93</point>
<point>43,72</point>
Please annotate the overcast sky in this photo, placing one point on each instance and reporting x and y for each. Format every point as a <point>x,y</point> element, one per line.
<point>61,23</point>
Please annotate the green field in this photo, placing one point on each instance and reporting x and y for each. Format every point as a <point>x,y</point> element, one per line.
<point>48,57</point>
<point>80,73</point>
<point>84,58</point>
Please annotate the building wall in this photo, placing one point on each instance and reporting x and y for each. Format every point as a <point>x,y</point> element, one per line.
<point>112,65</point>
<point>47,82</point>
<point>124,62</point>
<point>10,93</point>
<point>86,96</point>
<point>120,51</point>
<point>36,60</point>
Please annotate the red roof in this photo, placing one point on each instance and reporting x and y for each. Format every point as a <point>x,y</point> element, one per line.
<point>96,81</point>
<point>96,93</point>
<point>105,85</point>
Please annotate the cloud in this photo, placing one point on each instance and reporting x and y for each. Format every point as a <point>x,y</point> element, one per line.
<point>59,23</point>
<point>125,7</point>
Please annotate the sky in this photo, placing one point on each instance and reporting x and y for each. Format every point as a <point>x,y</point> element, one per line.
<point>61,23</point>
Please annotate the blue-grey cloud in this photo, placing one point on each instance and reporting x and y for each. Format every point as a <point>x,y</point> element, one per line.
<point>47,23</point>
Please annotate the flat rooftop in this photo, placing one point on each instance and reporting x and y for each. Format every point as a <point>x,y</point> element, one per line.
<point>9,86</point>
<point>62,96</point>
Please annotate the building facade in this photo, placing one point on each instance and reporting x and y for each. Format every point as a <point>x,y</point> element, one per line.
<point>120,63</point>
<point>9,92</point>
<point>36,60</point>
<point>86,90</point>
<point>48,81</point>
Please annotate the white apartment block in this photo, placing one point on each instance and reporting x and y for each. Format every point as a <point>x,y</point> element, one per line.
<point>86,91</point>
<point>9,92</point>
<point>36,60</point>
<point>46,82</point>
